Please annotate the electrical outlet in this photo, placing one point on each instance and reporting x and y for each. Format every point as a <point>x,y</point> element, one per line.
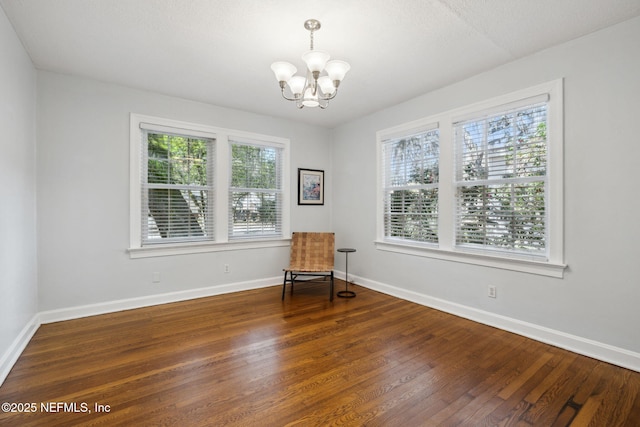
<point>227,269</point>
<point>492,292</point>
<point>155,277</point>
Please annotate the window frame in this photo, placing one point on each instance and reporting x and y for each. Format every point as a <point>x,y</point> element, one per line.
<point>222,173</point>
<point>446,249</point>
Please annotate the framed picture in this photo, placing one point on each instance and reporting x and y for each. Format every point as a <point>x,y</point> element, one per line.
<point>310,187</point>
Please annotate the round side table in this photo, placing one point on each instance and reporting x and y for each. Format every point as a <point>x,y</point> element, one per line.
<point>346,293</point>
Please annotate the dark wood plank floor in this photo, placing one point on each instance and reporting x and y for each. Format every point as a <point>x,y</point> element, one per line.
<point>250,359</point>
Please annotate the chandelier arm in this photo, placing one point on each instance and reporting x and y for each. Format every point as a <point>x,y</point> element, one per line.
<point>287,98</point>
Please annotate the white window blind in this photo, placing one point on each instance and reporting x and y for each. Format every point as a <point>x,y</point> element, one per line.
<point>177,186</point>
<point>410,187</point>
<point>501,180</point>
<point>255,192</point>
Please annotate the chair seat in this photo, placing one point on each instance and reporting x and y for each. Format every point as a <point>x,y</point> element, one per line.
<point>306,270</point>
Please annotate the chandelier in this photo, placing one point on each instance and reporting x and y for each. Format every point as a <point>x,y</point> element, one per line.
<point>313,90</point>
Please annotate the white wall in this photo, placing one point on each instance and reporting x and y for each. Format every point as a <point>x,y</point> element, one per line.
<point>18,254</point>
<point>599,295</point>
<point>83,195</point>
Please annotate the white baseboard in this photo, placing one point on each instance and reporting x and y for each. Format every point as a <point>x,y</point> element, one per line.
<point>586,347</point>
<point>150,300</point>
<point>14,351</point>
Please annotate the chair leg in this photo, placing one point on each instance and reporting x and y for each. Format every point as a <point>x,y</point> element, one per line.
<point>331,288</point>
<point>293,281</point>
<point>284,284</point>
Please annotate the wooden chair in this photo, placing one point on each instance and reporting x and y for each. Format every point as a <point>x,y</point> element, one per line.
<point>311,255</point>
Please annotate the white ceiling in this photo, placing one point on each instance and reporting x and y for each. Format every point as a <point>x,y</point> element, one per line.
<point>220,51</point>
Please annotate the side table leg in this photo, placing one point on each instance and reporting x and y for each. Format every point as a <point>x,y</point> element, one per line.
<point>346,293</point>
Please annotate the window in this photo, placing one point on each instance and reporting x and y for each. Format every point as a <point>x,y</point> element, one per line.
<point>480,184</point>
<point>197,188</point>
<point>411,187</point>
<point>255,192</point>
<point>501,181</point>
<point>177,188</point>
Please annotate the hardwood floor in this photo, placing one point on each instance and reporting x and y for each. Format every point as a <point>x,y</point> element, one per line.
<point>250,359</point>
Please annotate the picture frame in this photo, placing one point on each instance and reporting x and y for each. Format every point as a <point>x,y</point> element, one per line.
<point>310,187</point>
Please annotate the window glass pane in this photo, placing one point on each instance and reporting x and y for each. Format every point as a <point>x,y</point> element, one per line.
<point>507,216</point>
<point>253,167</point>
<point>177,213</point>
<point>413,160</point>
<point>502,146</point>
<point>158,158</point>
<point>412,215</point>
<point>158,171</point>
<point>176,160</point>
<point>255,214</point>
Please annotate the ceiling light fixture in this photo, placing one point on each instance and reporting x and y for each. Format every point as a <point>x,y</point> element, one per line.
<point>313,90</point>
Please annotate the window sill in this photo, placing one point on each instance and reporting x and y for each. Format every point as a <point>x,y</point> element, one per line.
<point>171,249</point>
<point>543,268</point>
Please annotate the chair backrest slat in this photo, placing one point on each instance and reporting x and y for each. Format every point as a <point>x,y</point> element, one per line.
<point>312,251</point>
